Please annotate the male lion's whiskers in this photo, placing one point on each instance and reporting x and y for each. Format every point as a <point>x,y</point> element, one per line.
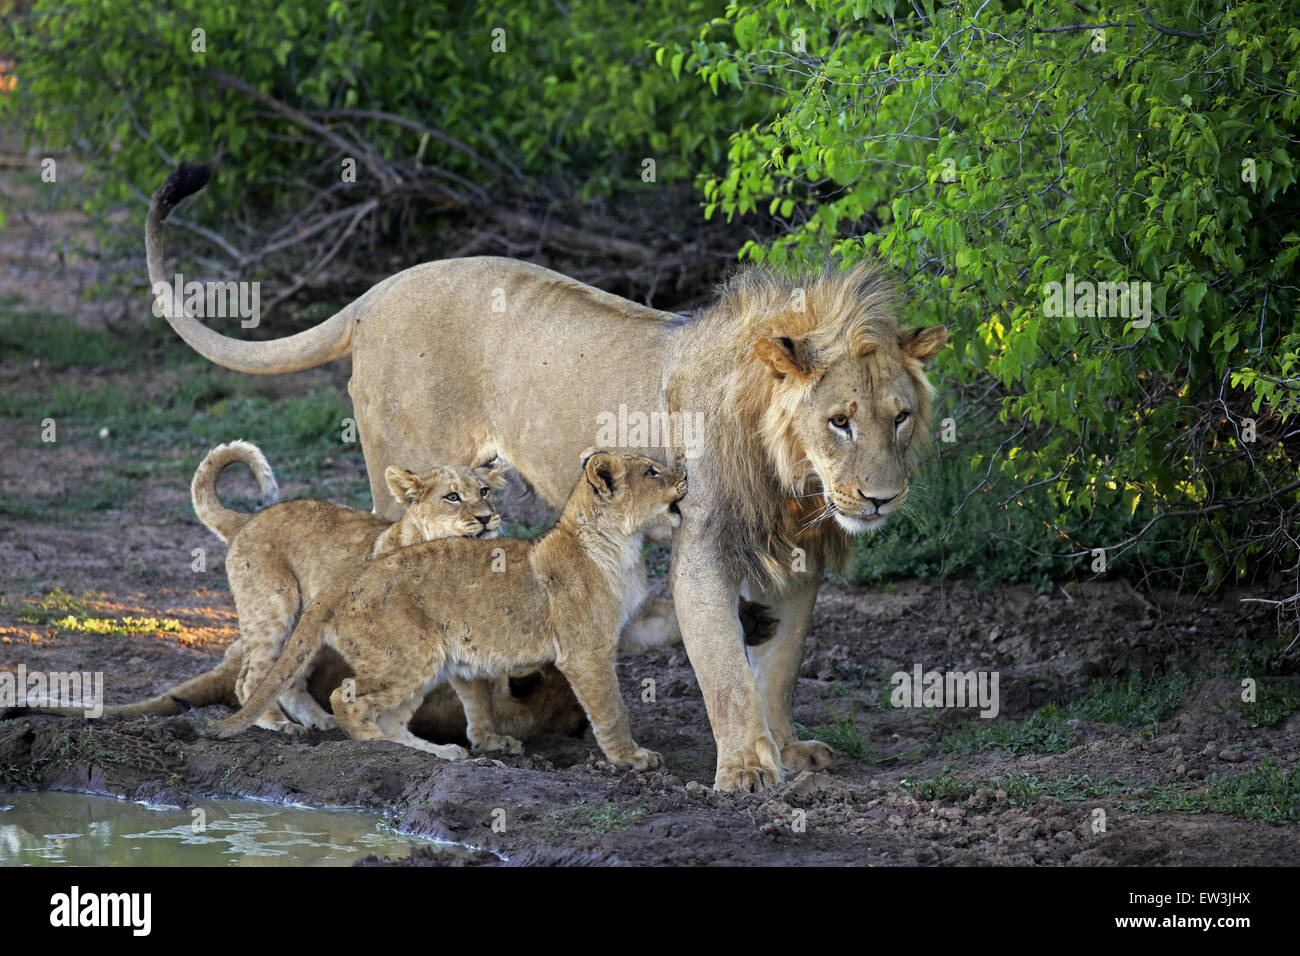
<point>825,513</point>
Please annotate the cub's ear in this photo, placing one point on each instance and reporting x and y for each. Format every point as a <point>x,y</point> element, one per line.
<point>923,344</point>
<point>492,473</point>
<point>783,356</point>
<point>404,485</point>
<point>604,473</point>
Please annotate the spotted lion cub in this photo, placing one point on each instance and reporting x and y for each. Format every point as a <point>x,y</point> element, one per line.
<point>465,609</point>
<point>282,557</point>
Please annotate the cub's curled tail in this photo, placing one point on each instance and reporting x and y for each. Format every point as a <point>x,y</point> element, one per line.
<point>225,522</point>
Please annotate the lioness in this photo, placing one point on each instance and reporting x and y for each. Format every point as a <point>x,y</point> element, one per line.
<point>466,609</point>
<point>813,401</point>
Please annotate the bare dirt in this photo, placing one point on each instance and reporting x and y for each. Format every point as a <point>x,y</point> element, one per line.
<point>561,803</point>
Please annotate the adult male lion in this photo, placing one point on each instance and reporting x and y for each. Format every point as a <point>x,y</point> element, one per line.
<point>812,401</point>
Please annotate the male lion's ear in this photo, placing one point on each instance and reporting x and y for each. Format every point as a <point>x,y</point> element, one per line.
<point>923,344</point>
<point>603,473</point>
<point>781,355</point>
<point>492,473</point>
<point>404,485</point>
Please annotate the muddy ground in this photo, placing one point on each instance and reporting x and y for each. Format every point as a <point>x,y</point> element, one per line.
<point>913,786</point>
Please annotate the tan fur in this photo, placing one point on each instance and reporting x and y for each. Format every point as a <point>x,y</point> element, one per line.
<point>468,609</point>
<point>496,355</point>
<point>282,557</point>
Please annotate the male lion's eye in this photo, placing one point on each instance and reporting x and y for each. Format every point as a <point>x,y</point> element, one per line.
<point>453,497</point>
<point>902,417</point>
<point>483,492</point>
<point>652,472</point>
<point>840,421</point>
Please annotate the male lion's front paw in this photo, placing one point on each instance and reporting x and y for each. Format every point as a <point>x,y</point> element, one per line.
<point>489,742</point>
<point>642,759</point>
<point>807,755</point>
<point>755,770</point>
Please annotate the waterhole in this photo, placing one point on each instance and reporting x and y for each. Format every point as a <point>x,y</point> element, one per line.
<point>73,829</point>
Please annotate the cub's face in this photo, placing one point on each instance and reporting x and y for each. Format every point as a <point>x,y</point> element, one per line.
<point>636,488</point>
<point>449,502</point>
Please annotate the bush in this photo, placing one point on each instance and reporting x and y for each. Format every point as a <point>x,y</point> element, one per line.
<point>987,158</point>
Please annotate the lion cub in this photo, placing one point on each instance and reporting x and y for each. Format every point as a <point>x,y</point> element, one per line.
<point>282,557</point>
<point>463,609</point>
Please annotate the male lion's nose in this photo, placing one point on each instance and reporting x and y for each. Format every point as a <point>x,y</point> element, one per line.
<point>877,502</point>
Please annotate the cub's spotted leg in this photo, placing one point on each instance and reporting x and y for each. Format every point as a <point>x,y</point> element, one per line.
<point>383,712</point>
<point>595,684</point>
<point>266,619</point>
<point>476,697</point>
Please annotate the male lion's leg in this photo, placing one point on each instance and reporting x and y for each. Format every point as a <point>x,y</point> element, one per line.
<point>775,663</point>
<point>592,677</point>
<point>476,697</point>
<point>748,758</point>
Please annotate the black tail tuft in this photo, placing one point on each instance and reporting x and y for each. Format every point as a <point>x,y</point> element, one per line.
<point>185,706</point>
<point>188,179</point>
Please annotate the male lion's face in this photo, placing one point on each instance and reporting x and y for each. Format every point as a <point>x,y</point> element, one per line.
<point>450,502</point>
<point>856,421</point>
<point>639,489</point>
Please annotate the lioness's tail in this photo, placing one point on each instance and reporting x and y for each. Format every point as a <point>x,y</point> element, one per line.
<point>223,521</point>
<point>210,687</point>
<point>330,340</point>
<point>294,660</point>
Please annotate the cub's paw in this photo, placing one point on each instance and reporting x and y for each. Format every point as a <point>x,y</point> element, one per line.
<point>807,755</point>
<point>449,751</point>
<point>490,742</point>
<point>325,722</point>
<point>642,759</point>
<point>750,771</point>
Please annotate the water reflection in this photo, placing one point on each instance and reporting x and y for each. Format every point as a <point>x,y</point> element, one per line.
<point>72,829</point>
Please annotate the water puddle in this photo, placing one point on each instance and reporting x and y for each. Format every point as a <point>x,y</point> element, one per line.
<point>74,829</point>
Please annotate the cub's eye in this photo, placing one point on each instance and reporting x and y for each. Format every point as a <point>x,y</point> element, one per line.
<point>453,497</point>
<point>840,421</point>
<point>483,492</point>
<point>902,417</point>
<point>652,472</point>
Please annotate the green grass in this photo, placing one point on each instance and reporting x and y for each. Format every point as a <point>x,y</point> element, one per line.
<point>70,613</point>
<point>1135,702</point>
<point>1265,793</point>
<point>605,818</point>
<point>841,733</point>
<point>1273,704</point>
<point>54,340</point>
<point>51,606</point>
